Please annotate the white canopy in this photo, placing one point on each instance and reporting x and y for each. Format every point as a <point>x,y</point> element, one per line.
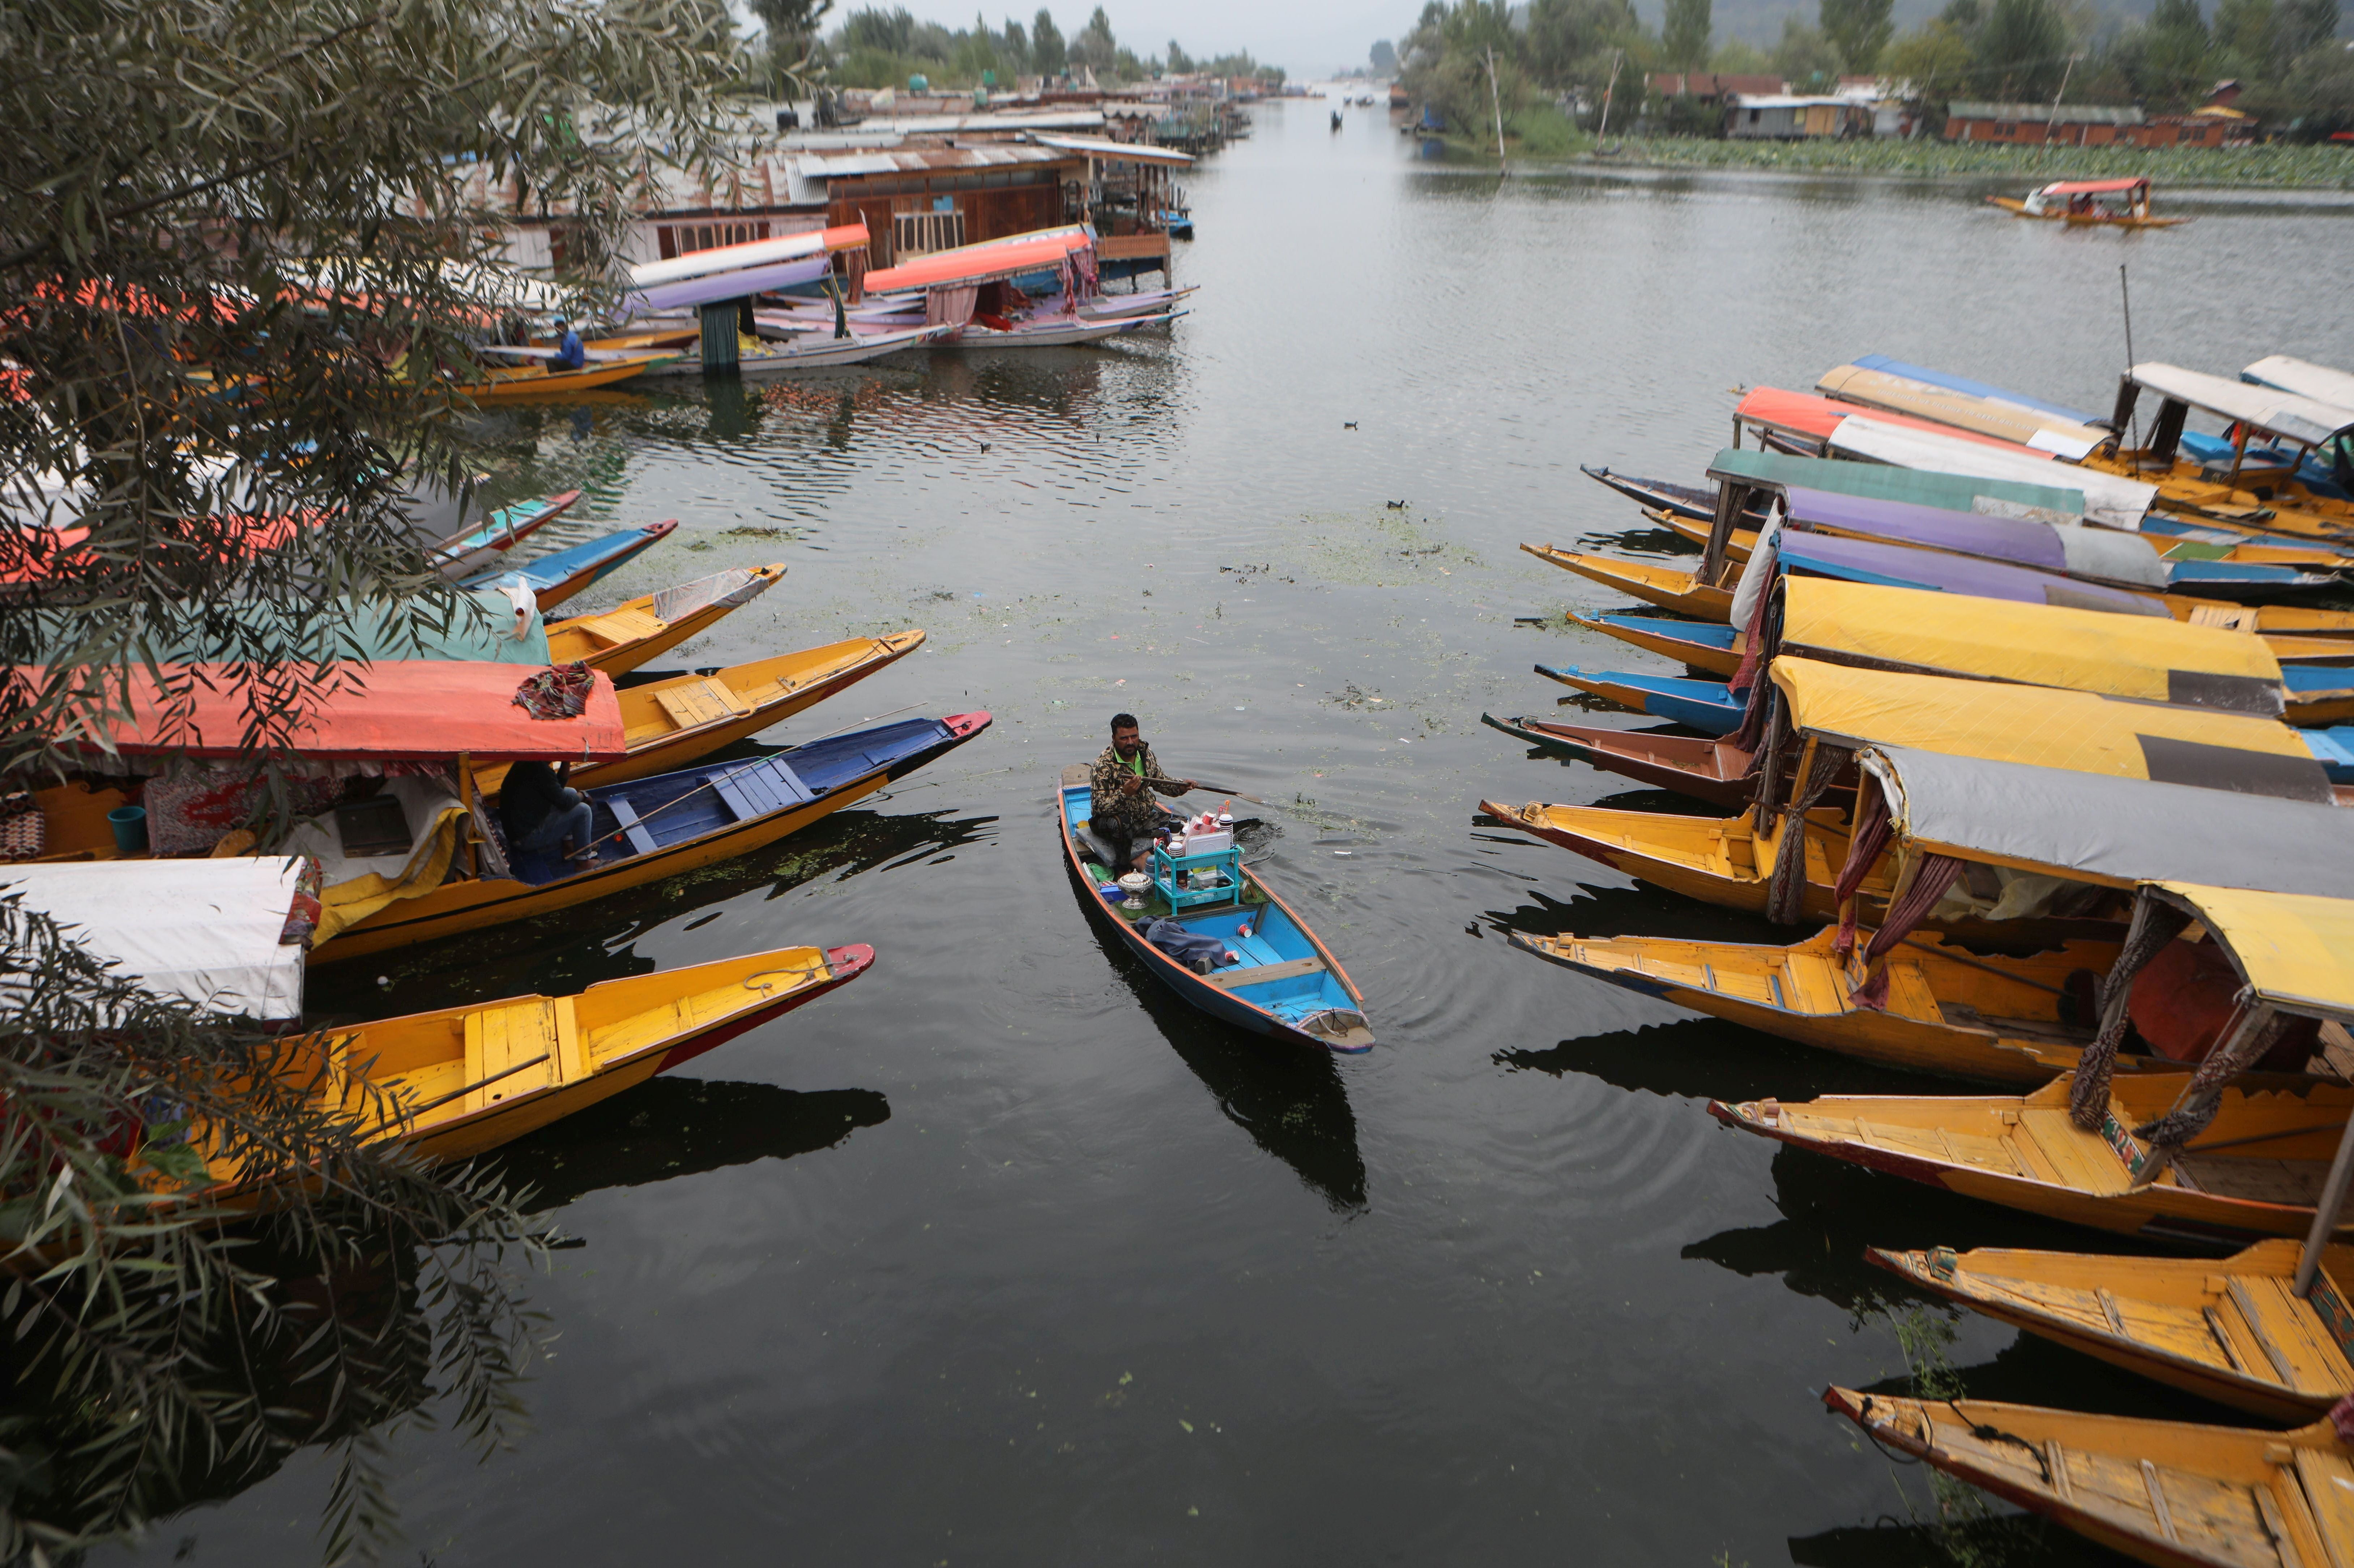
<point>2108,499</point>
<point>205,930</point>
<point>1113,152</point>
<point>2268,408</point>
<point>2304,377</point>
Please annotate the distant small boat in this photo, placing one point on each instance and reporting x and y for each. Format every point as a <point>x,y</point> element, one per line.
<point>1048,333</point>
<point>813,351</point>
<point>1289,985</point>
<point>471,549</point>
<point>2115,204</point>
<point>520,383</point>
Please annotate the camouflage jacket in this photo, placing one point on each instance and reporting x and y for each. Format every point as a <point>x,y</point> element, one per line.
<point>1114,810</point>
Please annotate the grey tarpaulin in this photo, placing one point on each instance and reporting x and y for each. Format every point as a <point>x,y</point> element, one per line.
<point>2119,830</point>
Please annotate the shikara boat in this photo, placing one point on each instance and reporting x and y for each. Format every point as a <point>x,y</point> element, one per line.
<point>463,1081</point>
<point>557,575</point>
<point>1716,771</point>
<point>1698,644</point>
<point>1669,587</point>
<point>2254,1171</point>
<point>814,352</point>
<point>522,382</point>
<point>1726,861</point>
<point>1891,391</point>
<point>619,640</point>
<point>469,550</point>
<point>1893,566</point>
<point>2169,1493</point>
<point>1049,332</point>
<point>671,723</point>
<point>2318,694</point>
<point>213,933</point>
<point>1949,1011</point>
<point>2099,204</point>
<point>1678,501</point>
<point>2232,1330</point>
<point>1288,987</point>
<point>2224,482</point>
<point>2074,827</point>
<point>1704,706</point>
<point>650,828</point>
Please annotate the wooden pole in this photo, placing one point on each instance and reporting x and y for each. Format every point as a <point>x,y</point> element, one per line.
<point>1617,58</point>
<point>2326,1212</point>
<point>1496,97</point>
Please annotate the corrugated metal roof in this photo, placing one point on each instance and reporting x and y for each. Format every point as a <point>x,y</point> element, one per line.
<point>921,160</point>
<point>1789,100</point>
<point>2044,113</point>
<point>1098,147</point>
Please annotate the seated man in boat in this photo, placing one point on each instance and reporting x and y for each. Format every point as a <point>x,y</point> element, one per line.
<point>1119,813</point>
<point>541,814</point>
<point>569,354</point>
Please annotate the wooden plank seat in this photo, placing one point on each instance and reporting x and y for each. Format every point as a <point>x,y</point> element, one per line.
<point>618,626</point>
<point>694,704</point>
<point>1227,979</point>
<point>762,788</point>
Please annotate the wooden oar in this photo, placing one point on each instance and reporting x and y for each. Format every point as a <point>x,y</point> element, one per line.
<point>1212,789</point>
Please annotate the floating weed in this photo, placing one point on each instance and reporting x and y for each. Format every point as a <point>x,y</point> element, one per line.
<point>748,531</point>
<point>1353,697</point>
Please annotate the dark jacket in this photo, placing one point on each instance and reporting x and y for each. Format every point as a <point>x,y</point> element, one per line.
<point>528,797</point>
<point>569,354</point>
<point>1111,811</point>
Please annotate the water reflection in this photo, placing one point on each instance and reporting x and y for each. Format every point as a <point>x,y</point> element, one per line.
<point>1703,1059</point>
<point>1291,1099</point>
<point>1988,1542</point>
<point>668,1128</point>
<point>1832,1211</point>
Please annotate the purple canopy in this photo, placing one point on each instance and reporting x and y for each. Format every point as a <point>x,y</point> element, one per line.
<point>2073,551</point>
<point>1862,561</point>
<point>736,285</point>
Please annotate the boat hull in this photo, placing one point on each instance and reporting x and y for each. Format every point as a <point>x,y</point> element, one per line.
<point>1197,991</point>
<point>580,638</point>
<point>1711,770</point>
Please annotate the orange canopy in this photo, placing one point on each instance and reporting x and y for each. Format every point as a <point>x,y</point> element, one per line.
<point>421,710</point>
<point>1804,414</point>
<point>977,263</point>
<point>2094,187</point>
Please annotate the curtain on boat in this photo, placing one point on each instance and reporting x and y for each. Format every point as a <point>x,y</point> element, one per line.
<point>1934,874</point>
<point>2155,923</point>
<point>949,307</point>
<point>1785,894</point>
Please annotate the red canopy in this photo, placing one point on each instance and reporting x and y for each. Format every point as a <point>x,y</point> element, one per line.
<point>1804,414</point>
<point>977,263</point>
<point>2094,187</point>
<point>411,710</point>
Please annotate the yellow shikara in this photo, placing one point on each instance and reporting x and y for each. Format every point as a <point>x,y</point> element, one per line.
<point>459,1082</point>
<point>2166,1492</point>
<point>2255,1170</point>
<point>1722,861</point>
<point>1949,1011</point>
<point>622,639</point>
<point>2232,1330</point>
<point>1682,591</point>
<point>671,723</point>
<point>520,383</point>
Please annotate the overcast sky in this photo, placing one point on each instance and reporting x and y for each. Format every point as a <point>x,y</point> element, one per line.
<point>1306,38</point>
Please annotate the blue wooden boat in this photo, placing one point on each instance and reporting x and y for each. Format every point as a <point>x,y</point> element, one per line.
<point>471,549</point>
<point>1696,503</point>
<point>1708,706</point>
<point>1289,985</point>
<point>649,828</point>
<point>558,574</point>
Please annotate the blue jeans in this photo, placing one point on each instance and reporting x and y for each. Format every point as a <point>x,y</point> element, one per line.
<point>574,822</point>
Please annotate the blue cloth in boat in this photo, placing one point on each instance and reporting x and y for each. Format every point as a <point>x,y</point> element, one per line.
<point>1200,954</point>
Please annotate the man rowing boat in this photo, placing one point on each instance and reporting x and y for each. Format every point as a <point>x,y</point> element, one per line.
<point>1119,813</point>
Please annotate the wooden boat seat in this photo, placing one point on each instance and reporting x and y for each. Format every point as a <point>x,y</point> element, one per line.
<point>621,626</point>
<point>2044,1031</point>
<point>2297,1181</point>
<point>520,1047</point>
<point>701,703</point>
<point>1227,979</point>
<point>753,792</point>
<point>633,831</point>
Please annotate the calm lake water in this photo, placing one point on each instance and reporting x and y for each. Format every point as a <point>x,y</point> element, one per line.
<point>1002,1255</point>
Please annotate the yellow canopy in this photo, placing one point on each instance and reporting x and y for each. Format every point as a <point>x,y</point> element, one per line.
<point>2155,658</point>
<point>2080,732</point>
<point>2294,949</point>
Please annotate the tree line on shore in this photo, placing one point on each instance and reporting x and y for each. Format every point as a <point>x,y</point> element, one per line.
<point>2296,76</point>
<point>876,47</point>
